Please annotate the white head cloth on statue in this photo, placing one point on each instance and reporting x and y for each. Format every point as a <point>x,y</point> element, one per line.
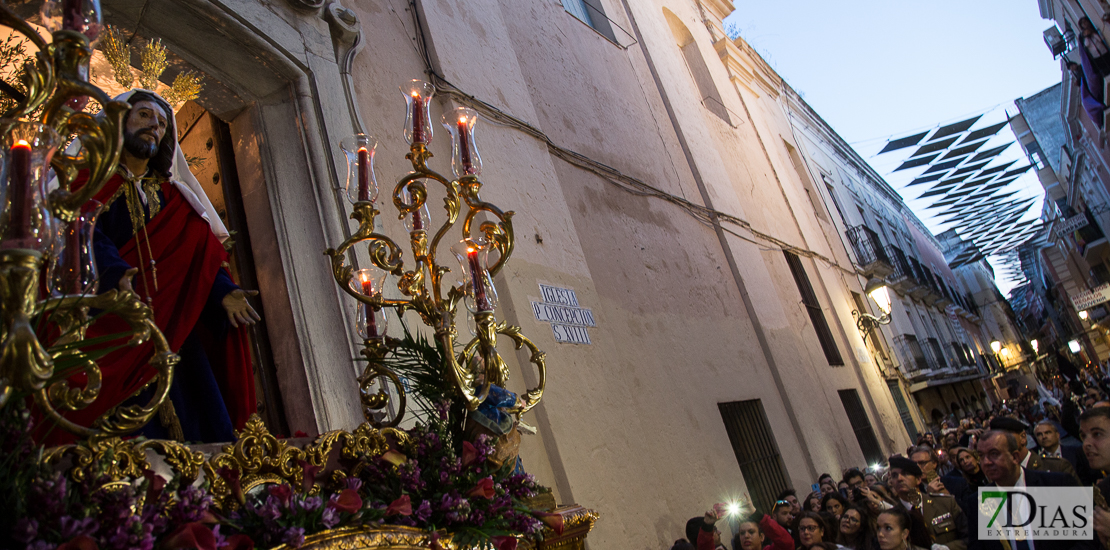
<point>182,177</point>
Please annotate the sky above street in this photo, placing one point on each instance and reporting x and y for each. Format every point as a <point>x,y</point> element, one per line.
<point>877,69</point>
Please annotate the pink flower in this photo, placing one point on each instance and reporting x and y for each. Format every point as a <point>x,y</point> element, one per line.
<point>469,454</point>
<point>401,506</point>
<point>191,535</point>
<point>346,501</point>
<point>483,489</point>
<point>83,542</point>
<point>504,543</point>
<point>155,484</point>
<point>281,492</point>
<point>238,542</point>
<point>552,520</point>
<point>310,471</point>
<point>232,477</point>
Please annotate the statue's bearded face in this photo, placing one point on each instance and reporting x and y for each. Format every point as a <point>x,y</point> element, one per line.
<point>144,129</point>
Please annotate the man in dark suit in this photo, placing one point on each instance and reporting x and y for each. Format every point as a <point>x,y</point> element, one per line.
<point>1026,459</point>
<point>1048,445</point>
<point>1000,453</point>
<point>1094,430</point>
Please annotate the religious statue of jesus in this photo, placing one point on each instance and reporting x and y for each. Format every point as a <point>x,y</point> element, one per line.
<point>159,236</point>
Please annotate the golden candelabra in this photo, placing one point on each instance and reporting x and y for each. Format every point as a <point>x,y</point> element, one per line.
<point>478,365</point>
<point>55,86</point>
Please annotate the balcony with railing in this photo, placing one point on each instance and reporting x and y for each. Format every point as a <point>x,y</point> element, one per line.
<point>901,279</point>
<point>935,354</point>
<point>918,271</point>
<point>914,361</point>
<point>945,297</point>
<point>972,308</point>
<point>870,254</point>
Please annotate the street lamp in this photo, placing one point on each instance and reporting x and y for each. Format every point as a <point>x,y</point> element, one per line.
<point>1035,345</point>
<point>877,290</point>
<point>1073,345</point>
<point>996,346</point>
<point>1083,315</point>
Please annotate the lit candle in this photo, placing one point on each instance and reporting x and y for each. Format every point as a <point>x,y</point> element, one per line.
<point>419,113</point>
<point>368,290</point>
<point>19,190</point>
<point>464,147</point>
<point>363,174</point>
<point>476,277</point>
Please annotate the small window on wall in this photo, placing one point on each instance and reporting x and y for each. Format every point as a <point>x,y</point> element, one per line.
<point>699,71</point>
<point>591,13</point>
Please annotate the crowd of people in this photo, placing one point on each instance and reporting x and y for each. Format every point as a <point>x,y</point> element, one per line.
<point>925,498</point>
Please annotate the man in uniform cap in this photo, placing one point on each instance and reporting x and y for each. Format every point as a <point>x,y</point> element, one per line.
<point>946,521</point>
<point>1028,460</point>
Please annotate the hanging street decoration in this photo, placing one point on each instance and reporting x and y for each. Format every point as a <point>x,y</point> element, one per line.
<point>968,186</point>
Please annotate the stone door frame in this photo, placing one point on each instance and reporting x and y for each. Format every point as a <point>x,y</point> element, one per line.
<point>274,63</point>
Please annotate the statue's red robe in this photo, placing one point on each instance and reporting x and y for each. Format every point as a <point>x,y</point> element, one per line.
<point>188,257</point>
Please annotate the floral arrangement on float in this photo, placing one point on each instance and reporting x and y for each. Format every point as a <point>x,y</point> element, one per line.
<point>452,481</point>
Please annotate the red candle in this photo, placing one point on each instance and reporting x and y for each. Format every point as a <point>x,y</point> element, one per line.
<point>480,300</point>
<point>72,254</point>
<point>417,220</point>
<point>464,147</point>
<point>363,174</point>
<point>371,323</point>
<point>419,112</point>
<point>19,191</point>
<point>72,19</point>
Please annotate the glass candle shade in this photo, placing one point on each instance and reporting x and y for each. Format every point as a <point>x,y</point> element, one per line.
<point>27,148</point>
<point>370,321</point>
<point>362,184</point>
<point>83,16</point>
<point>465,160</point>
<point>419,219</point>
<point>73,265</point>
<point>476,281</point>
<point>418,117</point>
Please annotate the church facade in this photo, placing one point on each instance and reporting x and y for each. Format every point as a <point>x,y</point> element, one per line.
<point>659,182</point>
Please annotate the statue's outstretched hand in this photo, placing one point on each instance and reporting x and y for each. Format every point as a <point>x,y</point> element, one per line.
<point>239,310</point>
<point>125,280</point>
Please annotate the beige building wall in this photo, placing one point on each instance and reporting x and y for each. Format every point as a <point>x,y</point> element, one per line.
<point>691,311</point>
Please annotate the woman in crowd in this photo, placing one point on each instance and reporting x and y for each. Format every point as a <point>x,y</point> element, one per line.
<point>856,529</point>
<point>893,530</point>
<point>835,504</point>
<point>812,503</point>
<point>755,530</point>
<point>810,529</point>
<point>968,461</point>
<point>878,499</point>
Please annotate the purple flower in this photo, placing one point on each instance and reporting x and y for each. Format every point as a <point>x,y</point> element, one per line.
<point>25,530</point>
<point>330,518</point>
<point>311,504</point>
<point>70,527</point>
<point>423,512</point>
<point>354,483</point>
<point>293,536</point>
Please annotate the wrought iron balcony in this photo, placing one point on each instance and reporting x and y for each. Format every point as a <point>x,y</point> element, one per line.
<point>935,354</point>
<point>901,279</point>
<point>870,254</point>
<point>919,277</point>
<point>913,357</point>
